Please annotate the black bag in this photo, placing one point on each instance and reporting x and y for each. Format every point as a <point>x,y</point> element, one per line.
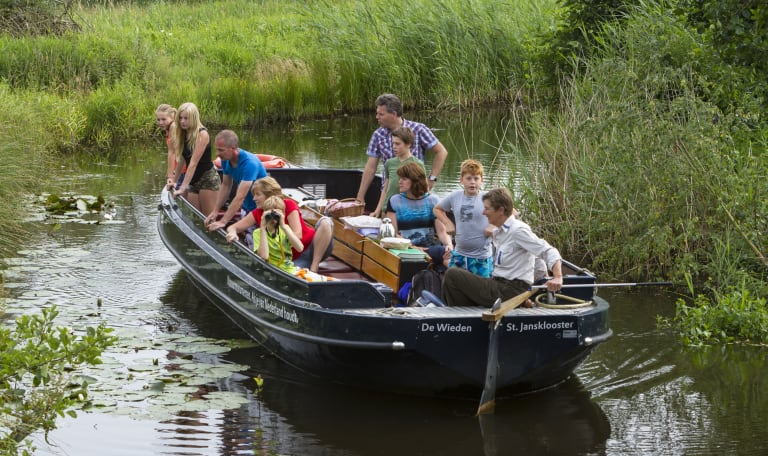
<point>427,279</point>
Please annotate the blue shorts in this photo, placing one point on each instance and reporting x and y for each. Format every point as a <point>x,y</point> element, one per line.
<point>478,266</point>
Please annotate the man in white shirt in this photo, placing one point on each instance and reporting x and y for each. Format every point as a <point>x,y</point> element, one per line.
<point>515,250</point>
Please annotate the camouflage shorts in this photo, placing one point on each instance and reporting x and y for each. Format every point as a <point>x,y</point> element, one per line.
<point>210,180</point>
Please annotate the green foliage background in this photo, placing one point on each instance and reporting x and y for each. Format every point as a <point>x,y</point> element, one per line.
<point>645,117</point>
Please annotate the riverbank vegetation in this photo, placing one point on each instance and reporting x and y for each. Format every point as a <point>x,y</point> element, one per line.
<point>38,382</point>
<point>654,165</point>
<point>646,117</point>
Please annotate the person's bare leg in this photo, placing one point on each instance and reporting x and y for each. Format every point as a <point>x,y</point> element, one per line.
<point>194,200</point>
<point>207,201</point>
<point>323,235</point>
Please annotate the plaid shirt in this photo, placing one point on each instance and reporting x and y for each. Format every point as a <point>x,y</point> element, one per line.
<point>381,142</point>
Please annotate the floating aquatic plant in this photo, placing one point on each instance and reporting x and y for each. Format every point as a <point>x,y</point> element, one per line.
<point>86,209</point>
<point>56,204</point>
<point>153,370</point>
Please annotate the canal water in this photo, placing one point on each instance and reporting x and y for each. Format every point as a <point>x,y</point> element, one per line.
<point>184,380</point>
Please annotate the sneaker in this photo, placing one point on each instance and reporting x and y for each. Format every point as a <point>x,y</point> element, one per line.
<point>431,298</point>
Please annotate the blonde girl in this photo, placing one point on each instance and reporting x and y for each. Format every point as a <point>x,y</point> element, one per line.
<point>165,115</point>
<point>193,146</point>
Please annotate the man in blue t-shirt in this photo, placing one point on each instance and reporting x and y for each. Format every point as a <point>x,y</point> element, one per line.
<point>389,115</point>
<point>240,169</point>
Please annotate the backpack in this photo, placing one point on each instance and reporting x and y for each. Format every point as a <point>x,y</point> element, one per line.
<point>427,279</point>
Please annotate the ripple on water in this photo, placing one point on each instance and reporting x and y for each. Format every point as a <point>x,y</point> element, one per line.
<point>637,369</point>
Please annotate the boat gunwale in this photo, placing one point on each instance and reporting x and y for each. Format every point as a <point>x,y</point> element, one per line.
<point>387,345</point>
<point>375,312</point>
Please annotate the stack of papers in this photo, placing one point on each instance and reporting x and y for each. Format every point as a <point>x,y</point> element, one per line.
<point>360,221</point>
<point>409,254</point>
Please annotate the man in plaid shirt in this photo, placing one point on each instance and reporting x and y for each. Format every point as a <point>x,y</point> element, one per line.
<point>389,114</point>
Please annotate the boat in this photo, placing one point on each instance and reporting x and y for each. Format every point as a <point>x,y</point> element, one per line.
<point>351,329</point>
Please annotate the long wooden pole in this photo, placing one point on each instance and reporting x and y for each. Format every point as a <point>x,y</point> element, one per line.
<point>488,398</point>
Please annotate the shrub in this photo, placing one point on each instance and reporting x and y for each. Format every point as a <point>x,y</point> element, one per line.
<point>735,315</point>
<point>736,28</point>
<point>37,382</point>
<point>36,17</point>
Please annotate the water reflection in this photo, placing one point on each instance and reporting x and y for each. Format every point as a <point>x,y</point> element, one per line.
<point>561,421</point>
<point>293,413</point>
<point>648,394</point>
<point>340,142</point>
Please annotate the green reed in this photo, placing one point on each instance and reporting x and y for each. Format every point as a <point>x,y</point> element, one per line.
<point>74,62</point>
<point>24,158</point>
<point>246,63</point>
<point>642,178</point>
<point>433,53</point>
<point>616,181</point>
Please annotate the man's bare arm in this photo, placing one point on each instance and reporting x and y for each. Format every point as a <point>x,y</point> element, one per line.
<point>365,181</point>
<point>441,154</point>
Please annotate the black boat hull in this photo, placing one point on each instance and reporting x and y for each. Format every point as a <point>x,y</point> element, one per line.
<point>425,351</point>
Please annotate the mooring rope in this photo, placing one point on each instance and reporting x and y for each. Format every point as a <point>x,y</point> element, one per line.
<point>576,303</point>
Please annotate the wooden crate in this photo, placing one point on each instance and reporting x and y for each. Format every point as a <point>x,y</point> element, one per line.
<point>348,255</point>
<point>367,256</point>
<point>382,256</point>
<point>381,274</point>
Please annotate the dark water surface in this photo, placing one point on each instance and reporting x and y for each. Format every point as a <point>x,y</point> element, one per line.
<point>639,393</point>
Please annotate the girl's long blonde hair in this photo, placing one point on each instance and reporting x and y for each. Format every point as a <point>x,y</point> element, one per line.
<point>190,136</point>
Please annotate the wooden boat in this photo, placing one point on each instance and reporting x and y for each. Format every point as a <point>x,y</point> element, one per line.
<point>352,331</point>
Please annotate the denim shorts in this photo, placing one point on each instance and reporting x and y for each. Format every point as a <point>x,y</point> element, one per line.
<point>305,259</point>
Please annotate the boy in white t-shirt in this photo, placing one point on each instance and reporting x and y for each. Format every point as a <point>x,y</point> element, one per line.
<point>472,229</point>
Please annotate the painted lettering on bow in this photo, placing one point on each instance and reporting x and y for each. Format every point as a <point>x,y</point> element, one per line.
<point>263,303</point>
<point>445,327</point>
<point>541,326</point>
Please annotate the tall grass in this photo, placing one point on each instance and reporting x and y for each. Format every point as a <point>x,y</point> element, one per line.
<point>76,62</point>
<point>26,140</point>
<point>433,53</point>
<point>246,63</point>
<point>644,178</point>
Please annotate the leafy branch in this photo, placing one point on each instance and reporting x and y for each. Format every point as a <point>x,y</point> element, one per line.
<point>38,362</point>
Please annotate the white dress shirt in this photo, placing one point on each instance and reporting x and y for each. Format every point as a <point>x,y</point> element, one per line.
<point>515,248</point>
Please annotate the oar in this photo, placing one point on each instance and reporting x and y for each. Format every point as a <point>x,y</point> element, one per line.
<point>496,313</point>
<point>591,285</point>
<point>488,398</point>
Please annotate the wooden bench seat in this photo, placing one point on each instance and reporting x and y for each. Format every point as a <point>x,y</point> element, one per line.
<point>363,255</point>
